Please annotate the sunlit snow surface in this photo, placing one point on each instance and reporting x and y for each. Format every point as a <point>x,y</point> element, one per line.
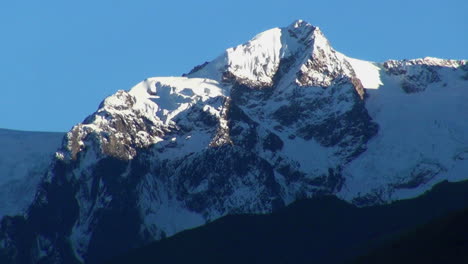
<point>421,130</point>
<point>419,133</point>
<point>255,61</point>
<point>169,96</point>
<point>24,158</point>
<point>422,137</point>
<point>367,72</point>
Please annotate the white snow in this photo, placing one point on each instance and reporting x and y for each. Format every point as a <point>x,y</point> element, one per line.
<point>425,127</point>
<point>83,227</point>
<point>258,59</point>
<point>255,61</point>
<point>161,211</point>
<point>367,72</point>
<point>310,155</point>
<point>169,96</point>
<point>24,159</point>
<point>424,132</point>
<point>213,70</point>
<point>194,142</point>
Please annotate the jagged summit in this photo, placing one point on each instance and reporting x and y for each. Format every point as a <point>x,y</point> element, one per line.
<point>257,62</point>
<point>301,30</point>
<point>299,23</point>
<point>295,56</point>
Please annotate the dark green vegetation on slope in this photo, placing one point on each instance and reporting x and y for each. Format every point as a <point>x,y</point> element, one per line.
<point>444,240</point>
<point>320,230</point>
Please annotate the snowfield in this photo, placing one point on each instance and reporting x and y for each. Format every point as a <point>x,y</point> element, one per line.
<point>24,159</point>
<point>277,119</point>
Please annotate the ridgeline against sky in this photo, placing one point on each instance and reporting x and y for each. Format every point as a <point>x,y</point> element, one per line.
<point>58,60</point>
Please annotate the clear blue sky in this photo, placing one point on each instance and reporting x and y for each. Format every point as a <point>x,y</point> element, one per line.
<point>59,59</point>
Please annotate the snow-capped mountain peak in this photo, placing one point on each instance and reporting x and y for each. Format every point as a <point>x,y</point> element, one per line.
<point>256,61</point>
<point>299,50</point>
<point>304,33</point>
<point>281,117</point>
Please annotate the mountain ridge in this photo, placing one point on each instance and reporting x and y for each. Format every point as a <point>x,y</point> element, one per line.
<point>279,118</point>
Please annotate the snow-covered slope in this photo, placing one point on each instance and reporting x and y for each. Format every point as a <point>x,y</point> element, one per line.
<point>422,136</point>
<point>281,117</point>
<point>24,159</point>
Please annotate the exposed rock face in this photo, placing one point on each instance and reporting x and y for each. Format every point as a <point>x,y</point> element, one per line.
<point>120,127</point>
<point>420,174</point>
<point>277,119</point>
<point>417,74</point>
